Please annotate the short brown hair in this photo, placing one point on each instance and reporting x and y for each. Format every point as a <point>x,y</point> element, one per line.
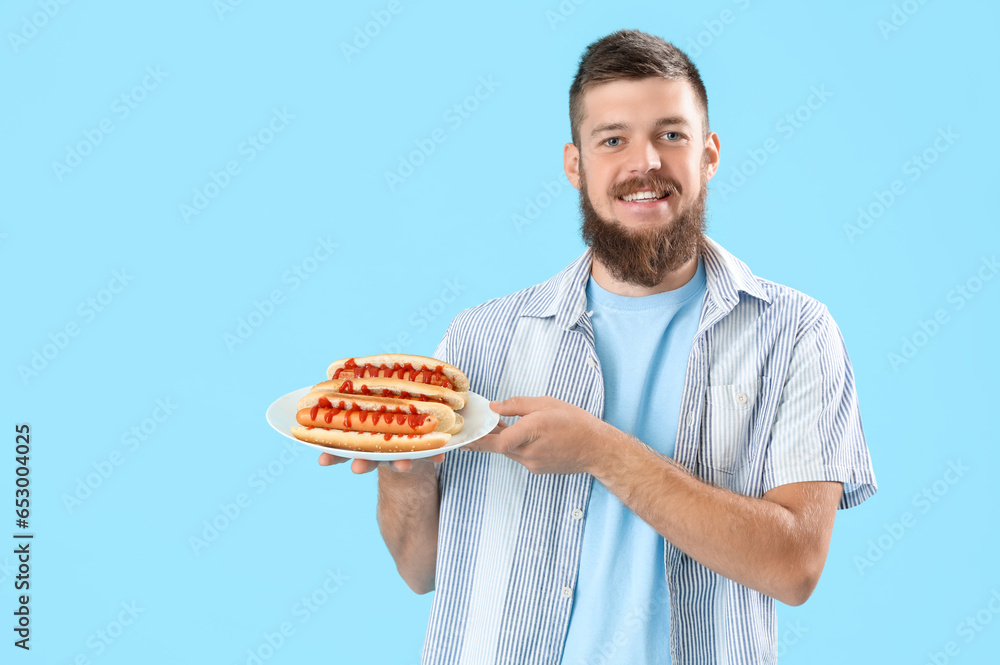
<point>631,54</point>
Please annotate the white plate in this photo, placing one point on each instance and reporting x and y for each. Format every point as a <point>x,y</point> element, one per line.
<point>479,421</point>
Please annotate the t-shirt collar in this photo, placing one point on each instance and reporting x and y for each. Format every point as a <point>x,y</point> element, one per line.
<point>564,296</point>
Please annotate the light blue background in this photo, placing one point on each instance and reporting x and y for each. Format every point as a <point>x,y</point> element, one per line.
<point>450,228</point>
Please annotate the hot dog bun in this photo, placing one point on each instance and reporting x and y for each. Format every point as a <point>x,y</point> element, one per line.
<point>459,423</point>
<point>398,388</point>
<point>397,365</point>
<point>446,417</point>
<point>369,442</point>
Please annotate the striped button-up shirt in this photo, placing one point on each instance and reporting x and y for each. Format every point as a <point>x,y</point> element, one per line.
<point>768,399</point>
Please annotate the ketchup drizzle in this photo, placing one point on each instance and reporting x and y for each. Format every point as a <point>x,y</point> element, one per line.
<point>412,419</point>
<point>408,371</point>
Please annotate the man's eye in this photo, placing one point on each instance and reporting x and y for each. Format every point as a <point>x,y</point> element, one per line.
<point>672,136</point>
<point>616,142</point>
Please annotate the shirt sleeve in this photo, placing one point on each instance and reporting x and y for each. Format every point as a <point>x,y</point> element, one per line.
<point>817,433</point>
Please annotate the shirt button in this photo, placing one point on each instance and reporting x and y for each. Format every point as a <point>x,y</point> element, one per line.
<point>592,363</point>
<point>690,418</point>
<point>577,514</point>
<point>742,398</point>
<point>567,592</point>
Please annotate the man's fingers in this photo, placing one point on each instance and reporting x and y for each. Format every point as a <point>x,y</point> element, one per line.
<point>482,445</point>
<point>488,439</point>
<point>357,466</point>
<point>363,466</point>
<point>507,438</point>
<point>407,465</point>
<point>366,466</point>
<point>486,443</point>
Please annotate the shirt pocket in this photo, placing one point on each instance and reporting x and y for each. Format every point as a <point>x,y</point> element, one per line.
<point>725,439</point>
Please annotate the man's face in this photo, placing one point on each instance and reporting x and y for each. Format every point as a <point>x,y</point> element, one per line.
<point>642,169</point>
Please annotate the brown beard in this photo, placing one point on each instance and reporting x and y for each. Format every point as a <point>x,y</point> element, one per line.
<point>644,257</point>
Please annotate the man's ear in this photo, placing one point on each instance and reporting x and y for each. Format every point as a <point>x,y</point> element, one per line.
<point>571,164</point>
<point>712,156</point>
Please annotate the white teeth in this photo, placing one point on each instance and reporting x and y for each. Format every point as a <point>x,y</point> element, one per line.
<point>640,196</point>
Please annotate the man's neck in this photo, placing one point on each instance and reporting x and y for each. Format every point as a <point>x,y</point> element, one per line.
<point>672,281</point>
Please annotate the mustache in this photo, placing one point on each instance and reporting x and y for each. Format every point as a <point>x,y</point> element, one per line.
<point>644,256</point>
<point>652,182</point>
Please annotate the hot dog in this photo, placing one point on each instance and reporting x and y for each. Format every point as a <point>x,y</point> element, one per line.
<point>399,388</point>
<point>386,403</point>
<point>400,366</point>
<point>377,424</point>
<point>367,421</point>
<point>324,403</point>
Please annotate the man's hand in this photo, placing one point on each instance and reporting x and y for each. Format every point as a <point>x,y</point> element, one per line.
<point>551,436</point>
<point>365,466</point>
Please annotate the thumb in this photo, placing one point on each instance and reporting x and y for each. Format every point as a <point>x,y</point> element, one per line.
<point>516,406</point>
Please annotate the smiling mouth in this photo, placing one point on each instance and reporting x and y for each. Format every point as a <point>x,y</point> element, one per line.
<point>641,197</point>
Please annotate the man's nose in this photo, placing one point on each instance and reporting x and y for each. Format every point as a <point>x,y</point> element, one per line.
<point>643,157</point>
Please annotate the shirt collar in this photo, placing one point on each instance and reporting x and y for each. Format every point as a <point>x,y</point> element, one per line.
<point>565,295</point>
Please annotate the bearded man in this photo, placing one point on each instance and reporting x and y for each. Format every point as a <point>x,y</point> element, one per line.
<point>678,432</point>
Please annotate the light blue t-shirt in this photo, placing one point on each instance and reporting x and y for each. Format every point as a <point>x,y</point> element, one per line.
<point>621,609</point>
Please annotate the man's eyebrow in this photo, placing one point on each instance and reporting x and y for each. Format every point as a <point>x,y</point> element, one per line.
<point>673,120</point>
<point>609,127</point>
<point>621,126</point>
